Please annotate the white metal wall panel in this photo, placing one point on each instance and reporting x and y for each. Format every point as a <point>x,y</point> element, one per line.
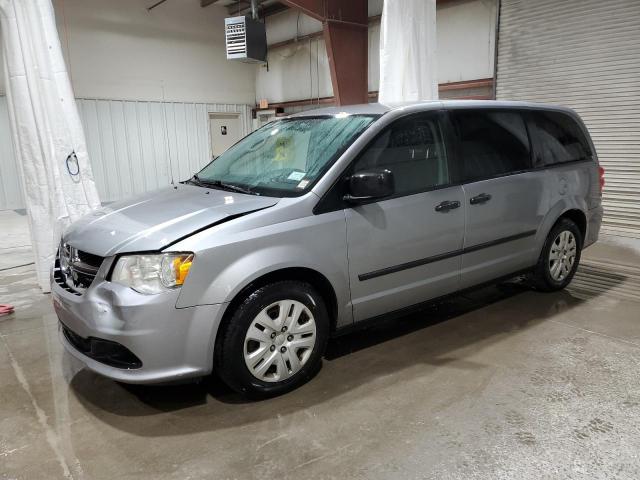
<point>584,54</point>
<point>130,144</point>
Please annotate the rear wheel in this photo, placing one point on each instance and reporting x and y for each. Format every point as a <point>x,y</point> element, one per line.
<point>559,258</point>
<point>274,341</point>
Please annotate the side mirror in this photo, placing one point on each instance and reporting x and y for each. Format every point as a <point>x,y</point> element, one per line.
<point>370,185</point>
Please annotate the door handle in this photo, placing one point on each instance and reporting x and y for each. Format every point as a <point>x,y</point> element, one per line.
<point>447,205</point>
<point>479,199</point>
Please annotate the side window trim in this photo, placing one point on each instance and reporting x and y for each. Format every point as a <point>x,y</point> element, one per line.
<point>451,145</point>
<point>525,115</point>
<point>562,164</point>
<point>534,140</point>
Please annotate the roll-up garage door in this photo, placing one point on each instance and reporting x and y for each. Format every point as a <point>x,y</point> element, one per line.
<point>584,54</point>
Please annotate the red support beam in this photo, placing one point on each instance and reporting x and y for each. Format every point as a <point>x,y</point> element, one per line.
<point>345,33</point>
<point>347,52</point>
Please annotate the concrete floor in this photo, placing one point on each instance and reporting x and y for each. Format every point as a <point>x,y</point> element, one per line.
<point>502,383</point>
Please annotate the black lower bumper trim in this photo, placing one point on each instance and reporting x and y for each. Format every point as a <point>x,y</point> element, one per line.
<point>103,351</point>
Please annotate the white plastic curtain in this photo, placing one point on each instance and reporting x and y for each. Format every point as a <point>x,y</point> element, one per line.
<point>48,138</point>
<point>408,68</point>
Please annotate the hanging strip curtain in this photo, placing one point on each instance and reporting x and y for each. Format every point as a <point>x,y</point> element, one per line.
<point>408,70</point>
<point>48,138</point>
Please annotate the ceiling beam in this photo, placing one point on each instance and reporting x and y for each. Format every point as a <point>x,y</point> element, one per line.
<point>312,8</point>
<point>273,9</point>
<point>243,7</point>
<point>236,8</point>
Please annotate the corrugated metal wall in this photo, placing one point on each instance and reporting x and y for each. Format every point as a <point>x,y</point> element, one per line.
<point>584,54</point>
<point>129,145</point>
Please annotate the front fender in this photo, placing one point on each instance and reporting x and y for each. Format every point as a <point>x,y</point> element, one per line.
<point>317,242</point>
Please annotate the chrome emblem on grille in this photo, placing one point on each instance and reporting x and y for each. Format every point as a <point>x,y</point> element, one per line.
<point>69,259</point>
<point>65,258</point>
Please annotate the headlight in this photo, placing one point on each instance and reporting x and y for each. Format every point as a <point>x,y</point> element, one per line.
<point>153,273</point>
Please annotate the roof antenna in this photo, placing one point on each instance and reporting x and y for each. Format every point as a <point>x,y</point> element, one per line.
<point>166,135</point>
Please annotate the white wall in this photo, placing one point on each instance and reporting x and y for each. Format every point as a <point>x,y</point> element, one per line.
<point>466,40</point>
<point>305,63</point>
<point>131,148</point>
<point>295,72</point>
<point>120,55</point>
<point>116,49</point>
<point>465,36</point>
<point>137,146</point>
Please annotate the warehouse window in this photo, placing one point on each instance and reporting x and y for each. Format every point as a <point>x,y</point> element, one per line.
<point>560,139</point>
<point>413,150</point>
<point>491,143</point>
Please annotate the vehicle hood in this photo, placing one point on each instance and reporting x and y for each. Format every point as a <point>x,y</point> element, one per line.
<point>156,219</point>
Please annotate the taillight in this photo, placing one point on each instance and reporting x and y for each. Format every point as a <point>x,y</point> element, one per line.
<point>601,170</point>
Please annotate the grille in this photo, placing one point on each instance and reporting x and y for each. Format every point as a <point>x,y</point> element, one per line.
<point>75,270</point>
<point>236,39</point>
<point>245,39</point>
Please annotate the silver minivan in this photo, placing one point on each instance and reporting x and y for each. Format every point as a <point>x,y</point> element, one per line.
<point>316,222</point>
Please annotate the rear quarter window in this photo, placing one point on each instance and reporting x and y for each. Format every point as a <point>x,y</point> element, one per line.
<point>559,139</point>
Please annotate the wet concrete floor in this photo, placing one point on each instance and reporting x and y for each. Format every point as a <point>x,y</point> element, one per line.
<point>502,383</point>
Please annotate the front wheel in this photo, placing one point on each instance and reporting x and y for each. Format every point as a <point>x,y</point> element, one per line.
<point>559,258</point>
<point>274,341</point>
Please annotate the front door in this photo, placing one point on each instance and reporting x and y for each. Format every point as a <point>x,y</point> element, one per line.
<point>406,249</point>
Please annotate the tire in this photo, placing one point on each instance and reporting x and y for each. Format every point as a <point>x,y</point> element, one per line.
<point>255,357</point>
<point>552,274</point>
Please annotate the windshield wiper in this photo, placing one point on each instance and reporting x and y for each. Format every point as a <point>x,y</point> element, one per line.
<point>220,184</point>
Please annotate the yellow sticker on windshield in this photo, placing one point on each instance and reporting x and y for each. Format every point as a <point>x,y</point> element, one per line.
<point>283,149</point>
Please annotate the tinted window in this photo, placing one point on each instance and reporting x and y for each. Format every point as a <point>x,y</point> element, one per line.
<point>413,150</point>
<point>560,138</point>
<point>491,143</point>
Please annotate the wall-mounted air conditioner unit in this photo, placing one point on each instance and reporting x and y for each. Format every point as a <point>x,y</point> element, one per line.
<point>246,39</point>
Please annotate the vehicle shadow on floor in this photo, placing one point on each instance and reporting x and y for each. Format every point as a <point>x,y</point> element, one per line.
<point>448,333</point>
